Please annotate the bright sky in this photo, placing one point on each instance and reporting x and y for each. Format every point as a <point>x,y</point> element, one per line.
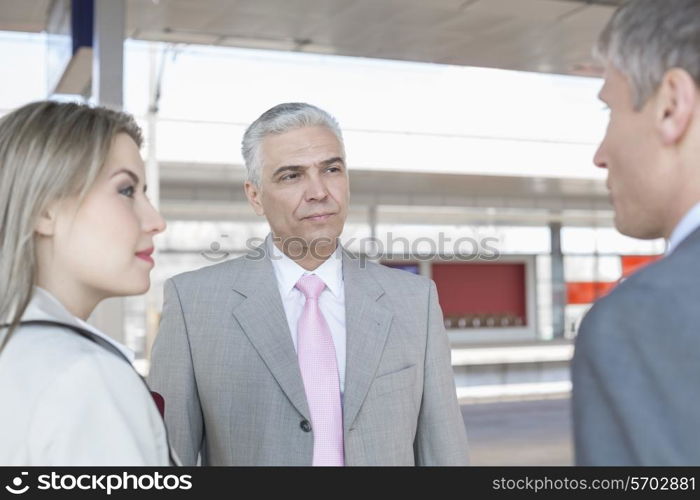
<point>395,115</point>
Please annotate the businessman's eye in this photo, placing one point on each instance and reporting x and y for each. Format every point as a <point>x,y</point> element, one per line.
<point>289,177</point>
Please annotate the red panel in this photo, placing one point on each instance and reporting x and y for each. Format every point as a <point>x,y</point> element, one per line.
<point>587,292</point>
<point>481,288</point>
<point>632,263</point>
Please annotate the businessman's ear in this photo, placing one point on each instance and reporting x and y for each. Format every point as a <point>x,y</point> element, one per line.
<point>253,193</point>
<point>676,103</point>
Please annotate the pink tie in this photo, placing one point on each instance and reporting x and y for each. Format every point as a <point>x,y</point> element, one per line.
<point>319,370</point>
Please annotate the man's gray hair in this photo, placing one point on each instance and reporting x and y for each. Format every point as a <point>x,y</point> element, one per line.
<point>278,120</point>
<point>646,38</point>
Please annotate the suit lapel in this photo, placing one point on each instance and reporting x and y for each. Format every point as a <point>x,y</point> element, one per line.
<point>367,326</point>
<point>262,318</point>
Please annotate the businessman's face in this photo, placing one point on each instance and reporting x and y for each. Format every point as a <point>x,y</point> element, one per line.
<point>638,178</point>
<point>304,188</point>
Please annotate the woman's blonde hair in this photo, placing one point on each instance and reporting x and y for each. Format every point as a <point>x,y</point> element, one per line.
<point>48,151</point>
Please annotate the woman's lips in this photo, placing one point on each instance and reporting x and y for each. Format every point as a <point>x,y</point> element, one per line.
<point>146,255</point>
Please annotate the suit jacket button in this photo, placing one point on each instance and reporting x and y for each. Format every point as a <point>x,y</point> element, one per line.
<point>305,426</point>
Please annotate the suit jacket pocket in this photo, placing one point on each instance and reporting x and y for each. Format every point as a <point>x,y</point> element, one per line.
<point>394,381</point>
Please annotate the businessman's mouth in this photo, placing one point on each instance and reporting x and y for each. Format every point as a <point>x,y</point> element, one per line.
<point>319,217</point>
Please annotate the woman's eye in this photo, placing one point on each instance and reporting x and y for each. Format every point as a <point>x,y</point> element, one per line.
<point>127,191</point>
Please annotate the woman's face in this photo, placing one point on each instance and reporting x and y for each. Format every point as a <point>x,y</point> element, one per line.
<point>104,247</point>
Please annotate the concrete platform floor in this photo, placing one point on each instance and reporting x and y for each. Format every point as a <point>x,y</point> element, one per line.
<point>520,433</point>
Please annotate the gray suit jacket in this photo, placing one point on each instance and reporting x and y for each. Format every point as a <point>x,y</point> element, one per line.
<point>225,364</point>
<point>636,368</point>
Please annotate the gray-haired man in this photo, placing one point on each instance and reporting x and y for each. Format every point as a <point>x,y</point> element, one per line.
<point>297,354</point>
<point>636,370</point>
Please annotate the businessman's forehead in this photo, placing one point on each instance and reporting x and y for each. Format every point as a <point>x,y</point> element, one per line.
<point>616,87</point>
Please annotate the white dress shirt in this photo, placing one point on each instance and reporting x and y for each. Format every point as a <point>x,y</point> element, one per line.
<point>68,401</point>
<point>331,302</point>
<point>689,223</point>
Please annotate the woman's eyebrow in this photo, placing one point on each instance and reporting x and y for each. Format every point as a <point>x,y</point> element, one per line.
<point>131,174</point>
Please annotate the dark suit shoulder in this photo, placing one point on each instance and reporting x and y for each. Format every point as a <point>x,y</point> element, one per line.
<point>674,273</point>
<point>656,300</point>
<point>657,283</point>
<point>626,297</point>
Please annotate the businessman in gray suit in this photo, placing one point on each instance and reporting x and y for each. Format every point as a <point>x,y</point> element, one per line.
<point>298,353</point>
<point>636,368</point>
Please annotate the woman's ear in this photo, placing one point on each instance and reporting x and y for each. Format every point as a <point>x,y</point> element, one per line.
<point>45,224</point>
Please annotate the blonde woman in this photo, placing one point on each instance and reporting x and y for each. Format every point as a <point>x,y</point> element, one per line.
<point>76,227</point>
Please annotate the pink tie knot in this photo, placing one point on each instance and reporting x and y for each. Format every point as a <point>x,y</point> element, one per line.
<point>311,286</point>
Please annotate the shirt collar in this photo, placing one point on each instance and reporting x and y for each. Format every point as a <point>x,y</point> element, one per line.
<point>288,272</point>
<point>689,223</point>
<point>44,306</point>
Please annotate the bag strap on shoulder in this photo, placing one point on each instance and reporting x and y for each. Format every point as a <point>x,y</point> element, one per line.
<point>106,345</point>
